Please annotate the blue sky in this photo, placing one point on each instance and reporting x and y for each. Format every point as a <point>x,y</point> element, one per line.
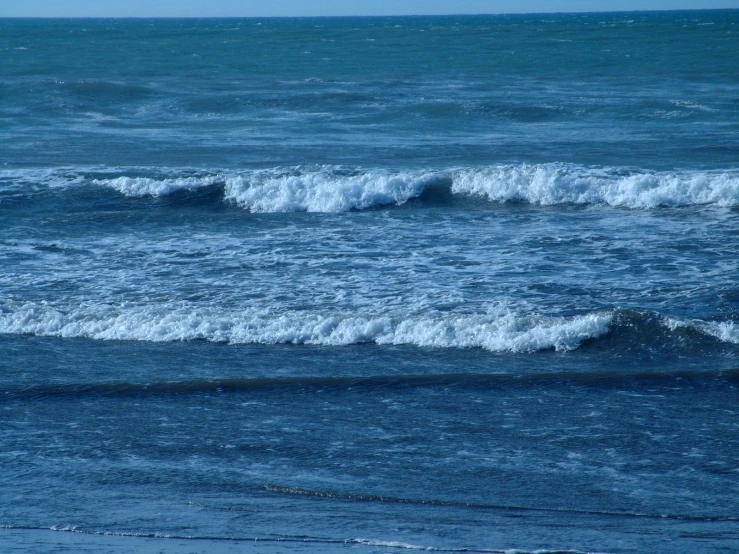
<point>261,8</point>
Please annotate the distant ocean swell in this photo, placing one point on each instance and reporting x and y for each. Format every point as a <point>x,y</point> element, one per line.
<point>498,330</point>
<point>337,189</point>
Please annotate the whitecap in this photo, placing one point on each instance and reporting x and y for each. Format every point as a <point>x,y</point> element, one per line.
<point>145,186</point>
<point>335,189</point>
<point>498,330</point>
<point>324,190</point>
<point>556,183</point>
<point>724,331</point>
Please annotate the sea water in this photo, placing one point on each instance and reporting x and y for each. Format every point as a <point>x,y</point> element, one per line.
<point>459,284</point>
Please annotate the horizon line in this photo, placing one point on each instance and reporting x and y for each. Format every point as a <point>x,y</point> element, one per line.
<point>583,12</point>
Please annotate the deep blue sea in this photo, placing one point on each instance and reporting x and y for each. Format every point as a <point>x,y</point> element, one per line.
<point>454,284</point>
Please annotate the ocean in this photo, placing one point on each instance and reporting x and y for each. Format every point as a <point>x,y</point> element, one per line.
<point>453,284</point>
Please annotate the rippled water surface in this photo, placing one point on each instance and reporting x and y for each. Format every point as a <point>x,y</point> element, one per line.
<point>465,284</point>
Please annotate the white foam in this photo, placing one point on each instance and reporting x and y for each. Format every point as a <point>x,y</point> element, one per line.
<point>332,189</point>
<point>390,544</point>
<point>549,184</point>
<point>691,105</point>
<point>145,186</point>
<point>725,331</point>
<point>407,546</point>
<point>498,330</point>
<point>337,189</point>
<point>24,178</point>
<point>324,190</point>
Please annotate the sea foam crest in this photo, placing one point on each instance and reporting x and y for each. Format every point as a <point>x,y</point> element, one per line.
<point>332,189</point>
<point>557,183</point>
<point>324,190</point>
<point>498,330</point>
<point>725,331</point>
<point>337,189</point>
<point>146,186</point>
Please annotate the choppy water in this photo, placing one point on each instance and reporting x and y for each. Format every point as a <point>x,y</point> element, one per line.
<point>452,283</point>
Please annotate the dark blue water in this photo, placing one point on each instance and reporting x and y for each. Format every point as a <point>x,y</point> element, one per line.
<point>465,284</point>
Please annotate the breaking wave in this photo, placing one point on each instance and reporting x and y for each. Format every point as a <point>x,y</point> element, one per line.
<point>325,191</point>
<point>724,331</point>
<point>337,189</point>
<point>550,184</point>
<point>498,330</point>
<point>145,186</point>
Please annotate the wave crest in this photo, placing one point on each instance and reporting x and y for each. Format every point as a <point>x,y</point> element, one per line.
<point>335,189</point>
<point>324,190</point>
<point>499,330</point>
<point>146,186</point>
<point>550,184</point>
<point>724,331</point>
